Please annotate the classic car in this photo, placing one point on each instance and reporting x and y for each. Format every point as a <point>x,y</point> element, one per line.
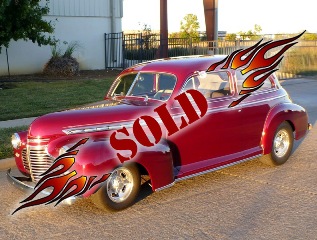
<point>264,126</point>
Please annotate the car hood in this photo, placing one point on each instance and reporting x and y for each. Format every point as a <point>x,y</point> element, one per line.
<point>97,114</point>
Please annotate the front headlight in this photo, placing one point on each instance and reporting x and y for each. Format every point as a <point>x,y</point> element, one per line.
<point>16,141</point>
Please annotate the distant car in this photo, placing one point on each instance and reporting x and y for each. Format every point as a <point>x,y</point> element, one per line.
<point>263,125</point>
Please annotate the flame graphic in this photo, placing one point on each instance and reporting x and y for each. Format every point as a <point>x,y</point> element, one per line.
<point>254,60</point>
<point>64,185</point>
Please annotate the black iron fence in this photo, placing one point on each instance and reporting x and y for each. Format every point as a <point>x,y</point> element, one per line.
<point>114,47</point>
<point>124,50</point>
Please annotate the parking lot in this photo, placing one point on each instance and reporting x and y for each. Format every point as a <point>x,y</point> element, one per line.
<point>247,201</point>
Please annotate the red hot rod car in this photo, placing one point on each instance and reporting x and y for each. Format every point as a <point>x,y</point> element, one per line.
<point>264,126</point>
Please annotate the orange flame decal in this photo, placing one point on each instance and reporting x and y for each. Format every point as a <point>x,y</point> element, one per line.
<point>64,184</point>
<point>254,61</point>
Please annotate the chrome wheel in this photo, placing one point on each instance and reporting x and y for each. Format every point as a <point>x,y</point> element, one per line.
<point>120,184</point>
<point>281,143</point>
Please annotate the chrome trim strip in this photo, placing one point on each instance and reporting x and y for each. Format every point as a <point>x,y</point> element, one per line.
<point>107,127</point>
<point>164,187</point>
<point>210,110</point>
<point>38,140</point>
<point>259,101</point>
<point>217,168</point>
<point>98,128</point>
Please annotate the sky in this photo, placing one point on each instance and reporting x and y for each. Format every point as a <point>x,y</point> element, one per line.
<point>274,16</point>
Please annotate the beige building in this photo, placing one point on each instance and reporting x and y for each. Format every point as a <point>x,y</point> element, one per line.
<point>84,21</point>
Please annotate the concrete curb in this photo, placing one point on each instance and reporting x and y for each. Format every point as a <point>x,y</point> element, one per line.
<point>7,163</point>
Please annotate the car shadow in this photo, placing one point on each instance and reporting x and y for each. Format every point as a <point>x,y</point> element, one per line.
<point>297,143</point>
<point>145,191</point>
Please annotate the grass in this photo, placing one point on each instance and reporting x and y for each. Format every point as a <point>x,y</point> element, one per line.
<point>31,99</point>
<point>6,150</point>
<point>301,60</point>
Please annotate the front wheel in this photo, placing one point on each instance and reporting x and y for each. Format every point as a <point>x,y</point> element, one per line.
<point>120,190</point>
<point>282,146</point>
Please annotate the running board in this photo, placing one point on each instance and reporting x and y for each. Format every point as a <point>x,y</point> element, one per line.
<point>207,171</point>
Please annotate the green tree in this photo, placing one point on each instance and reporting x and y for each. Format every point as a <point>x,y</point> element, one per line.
<point>22,19</point>
<point>189,27</point>
<point>231,37</point>
<point>251,34</point>
<point>148,37</point>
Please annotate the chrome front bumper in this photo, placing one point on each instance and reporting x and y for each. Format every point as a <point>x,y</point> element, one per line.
<point>26,185</point>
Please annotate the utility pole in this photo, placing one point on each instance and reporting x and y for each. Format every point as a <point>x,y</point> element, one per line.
<point>163,29</point>
<point>211,19</point>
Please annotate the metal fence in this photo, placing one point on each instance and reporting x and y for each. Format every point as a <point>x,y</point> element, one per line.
<point>124,50</point>
<point>113,50</point>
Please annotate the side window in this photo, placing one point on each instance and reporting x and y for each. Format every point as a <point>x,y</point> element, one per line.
<point>214,84</point>
<point>192,83</point>
<point>267,84</point>
<point>124,84</point>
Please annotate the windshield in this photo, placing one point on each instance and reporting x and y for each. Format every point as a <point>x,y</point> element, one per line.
<point>153,85</point>
<point>121,85</point>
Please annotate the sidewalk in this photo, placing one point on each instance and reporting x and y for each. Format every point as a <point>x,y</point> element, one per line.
<point>17,122</point>
<point>7,163</point>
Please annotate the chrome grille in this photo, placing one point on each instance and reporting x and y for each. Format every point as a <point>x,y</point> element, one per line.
<point>25,160</point>
<point>39,161</point>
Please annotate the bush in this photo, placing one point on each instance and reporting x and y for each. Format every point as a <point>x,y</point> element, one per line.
<point>140,54</point>
<point>63,64</point>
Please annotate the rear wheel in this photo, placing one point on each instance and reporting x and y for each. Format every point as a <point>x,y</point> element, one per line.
<point>120,190</point>
<point>281,146</point>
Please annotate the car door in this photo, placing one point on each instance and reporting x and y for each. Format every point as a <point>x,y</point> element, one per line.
<point>215,139</point>
<point>254,110</point>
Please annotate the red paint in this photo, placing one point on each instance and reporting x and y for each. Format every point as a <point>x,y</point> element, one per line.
<point>196,136</point>
<point>155,130</point>
<point>123,144</point>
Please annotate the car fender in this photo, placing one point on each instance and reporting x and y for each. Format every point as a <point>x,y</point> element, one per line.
<point>96,157</point>
<point>158,162</point>
<point>18,152</point>
<point>294,114</point>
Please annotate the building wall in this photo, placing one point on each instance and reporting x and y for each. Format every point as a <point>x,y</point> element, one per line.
<point>85,8</point>
<point>84,21</point>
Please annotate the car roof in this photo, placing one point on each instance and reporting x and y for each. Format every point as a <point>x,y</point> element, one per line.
<point>180,66</point>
